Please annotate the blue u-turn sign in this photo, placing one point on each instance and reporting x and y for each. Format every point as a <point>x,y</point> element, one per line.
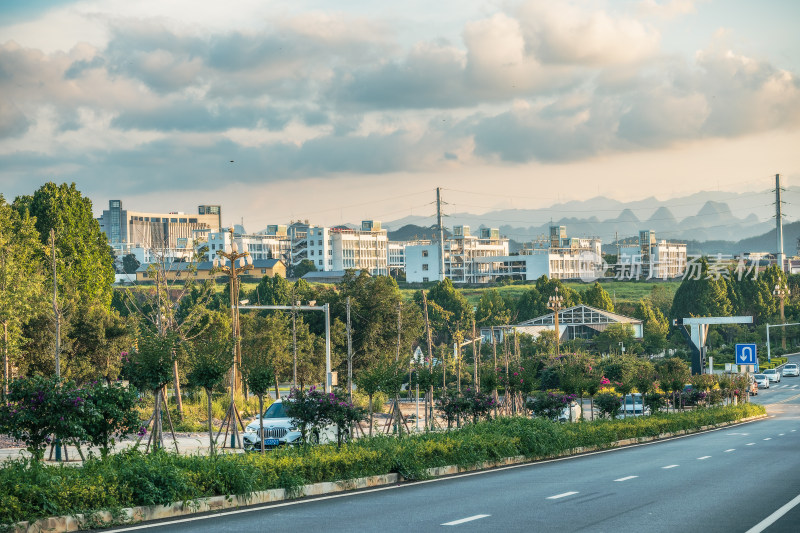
<point>746,354</point>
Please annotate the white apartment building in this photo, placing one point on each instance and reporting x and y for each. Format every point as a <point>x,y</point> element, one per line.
<point>396,256</point>
<point>652,259</point>
<point>467,258</point>
<point>343,248</point>
<point>564,257</point>
<point>270,244</point>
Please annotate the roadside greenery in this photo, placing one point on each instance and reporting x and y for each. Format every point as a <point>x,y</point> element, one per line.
<point>29,490</point>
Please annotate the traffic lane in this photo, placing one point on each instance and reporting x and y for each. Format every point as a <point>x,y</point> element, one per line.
<point>519,497</point>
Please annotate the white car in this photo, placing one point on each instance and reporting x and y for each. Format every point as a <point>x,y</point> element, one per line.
<point>791,369</point>
<point>762,381</point>
<point>633,405</point>
<point>280,430</point>
<point>772,374</point>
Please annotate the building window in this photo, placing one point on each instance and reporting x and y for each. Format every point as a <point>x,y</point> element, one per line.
<point>263,270</point>
<point>173,220</point>
<point>312,253</point>
<point>319,242</point>
<point>213,246</point>
<point>330,262</point>
<point>320,262</point>
<point>425,280</point>
<point>182,220</point>
<point>425,267</point>
<point>192,221</point>
<point>330,252</point>
<point>424,253</point>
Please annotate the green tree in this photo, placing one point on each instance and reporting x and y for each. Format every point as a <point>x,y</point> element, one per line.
<point>673,374</point>
<point>98,336</point>
<point>492,309</point>
<point>86,271</point>
<point>654,324</point>
<point>705,296</point>
<point>21,282</point>
<point>614,337</point>
<point>211,359</point>
<point>598,297</point>
<point>130,264</point>
<point>259,376</point>
<point>456,315</point>
<point>273,290</point>
<point>301,269</point>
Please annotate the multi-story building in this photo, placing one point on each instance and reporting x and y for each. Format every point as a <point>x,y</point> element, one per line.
<point>467,258</point>
<point>563,257</point>
<point>262,245</point>
<point>396,257</point>
<point>342,248</point>
<point>652,259</point>
<point>169,233</point>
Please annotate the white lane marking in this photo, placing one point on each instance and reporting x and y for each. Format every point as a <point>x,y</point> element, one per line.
<point>626,478</point>
<point>768,438</point>
<point>750,444</point>
<point>704,457</point>
<point>771,519</point>
<point>562,495</point>
<point>349,494</point>
<point>781,434</point>
<point>794,430</point>
<point>467,519</point>
<point>730,450</point>
<point>669,466</point>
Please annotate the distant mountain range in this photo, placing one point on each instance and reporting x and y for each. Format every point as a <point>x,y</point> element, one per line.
<point>709,222</point>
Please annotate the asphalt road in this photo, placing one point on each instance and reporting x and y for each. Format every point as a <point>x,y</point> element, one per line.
<point>734,479</point>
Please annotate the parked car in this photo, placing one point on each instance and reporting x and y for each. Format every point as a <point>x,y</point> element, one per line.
<point>576,410</point>
<point>772,374</point>
<point>633,405</point>
<point>762,381</point>
<point>791,369</point>
<point>280,430</point>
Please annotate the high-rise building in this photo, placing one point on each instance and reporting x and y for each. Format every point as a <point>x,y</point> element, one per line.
<point>128,230</point>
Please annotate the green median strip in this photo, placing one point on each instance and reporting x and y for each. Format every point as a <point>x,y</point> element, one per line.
<point>30,491</point>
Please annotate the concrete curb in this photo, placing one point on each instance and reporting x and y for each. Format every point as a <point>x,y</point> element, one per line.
<point>131,515</point>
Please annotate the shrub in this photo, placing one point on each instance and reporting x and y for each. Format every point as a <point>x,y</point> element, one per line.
<point>549,405</point>
<point>609,404</point>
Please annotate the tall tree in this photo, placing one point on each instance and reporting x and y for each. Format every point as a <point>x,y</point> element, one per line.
<point>458,312</point>
<point>597,297</point>
<point>655,325</point>
<point>701,295</point>
<point>86,271</point>
<point>21,281</point>
<point>492,309</point>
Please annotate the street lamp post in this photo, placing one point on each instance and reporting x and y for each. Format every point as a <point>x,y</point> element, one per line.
<point>233,271</point>
<point>554,303</point>
<point>782,292</point>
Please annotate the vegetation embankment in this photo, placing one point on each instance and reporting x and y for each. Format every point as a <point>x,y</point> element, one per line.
<point>30,490</point>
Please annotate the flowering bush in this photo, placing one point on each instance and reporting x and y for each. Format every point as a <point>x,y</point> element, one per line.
<point>41,407</point>
<point>608,404</point>
<point>313,409</point>
<point>478,404</point>
<point>549,405</point>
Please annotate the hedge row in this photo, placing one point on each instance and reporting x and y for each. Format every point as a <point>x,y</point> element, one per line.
<point>29,490</point>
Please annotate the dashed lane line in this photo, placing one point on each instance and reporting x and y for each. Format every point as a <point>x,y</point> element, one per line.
<point>467,519</point>
<point>669,466</point>
<point>750,444</point>
<point>562,495</point>
<point>730,450</point>
<point>704,458</point>
<point>626,478</point>
<point>768,438</point>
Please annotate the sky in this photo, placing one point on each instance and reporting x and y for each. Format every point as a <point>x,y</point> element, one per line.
<point>351,110</point>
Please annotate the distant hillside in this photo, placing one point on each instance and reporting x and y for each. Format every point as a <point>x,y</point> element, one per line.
<point>412,232</point>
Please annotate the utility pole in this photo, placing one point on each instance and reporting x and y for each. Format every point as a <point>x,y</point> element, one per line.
<point>294,338</point>
<point>475,355</point>
<point>56,308</point>
<point>349,354</point>
<point>779,221</point>
<point>429,414</point>
<point>441,232</point>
